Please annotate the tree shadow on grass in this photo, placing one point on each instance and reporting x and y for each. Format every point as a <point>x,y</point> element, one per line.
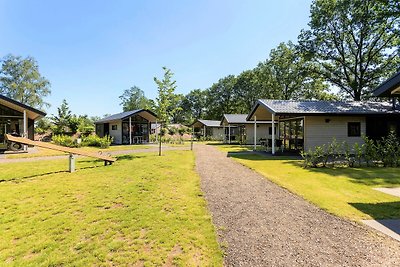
<point>383,210</point>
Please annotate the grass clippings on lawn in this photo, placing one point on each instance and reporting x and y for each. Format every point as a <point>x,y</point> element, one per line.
<point>143,209</point>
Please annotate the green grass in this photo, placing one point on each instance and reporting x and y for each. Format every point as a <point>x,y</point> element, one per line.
<point>143,209</point>
<point>346,192</point>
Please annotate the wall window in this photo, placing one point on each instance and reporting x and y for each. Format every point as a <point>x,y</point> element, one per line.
<point>354,129</point>
<point>270,130</point>
<point>114,127</point>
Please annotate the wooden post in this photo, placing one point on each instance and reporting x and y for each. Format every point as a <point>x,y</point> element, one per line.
<point>191,141</point>
<point>71,162</point>
<point>155,131</point>
<point>159,141</point>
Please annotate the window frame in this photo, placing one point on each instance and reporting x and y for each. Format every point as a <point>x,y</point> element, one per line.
<point>354,129</point>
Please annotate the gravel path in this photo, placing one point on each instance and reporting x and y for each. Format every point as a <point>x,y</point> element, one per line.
<point>117,152</point>
<point>262,224</point>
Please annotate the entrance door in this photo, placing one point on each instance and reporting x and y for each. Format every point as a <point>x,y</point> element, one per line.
<point>106,129</point>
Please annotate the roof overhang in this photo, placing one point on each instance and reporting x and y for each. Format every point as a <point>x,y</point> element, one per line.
<point>261,112</point>
<point>389,88</point>
<point>31,113</point>
<point>147,114</point>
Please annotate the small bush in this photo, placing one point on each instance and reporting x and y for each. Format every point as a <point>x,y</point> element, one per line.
<point>64,140</point>
<point>94,140</point>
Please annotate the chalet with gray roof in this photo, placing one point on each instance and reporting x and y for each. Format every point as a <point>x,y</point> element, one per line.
<point>208,129</point>
<point>238,129</point>
<point>303,125</point>
<point>130,127</point>
<point>17,118</point>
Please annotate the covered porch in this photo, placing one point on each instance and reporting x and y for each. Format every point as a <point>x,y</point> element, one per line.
<point>16,119</point>
<point>286,131</point>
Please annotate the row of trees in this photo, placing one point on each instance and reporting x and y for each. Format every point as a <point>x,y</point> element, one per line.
<point>352,45</point>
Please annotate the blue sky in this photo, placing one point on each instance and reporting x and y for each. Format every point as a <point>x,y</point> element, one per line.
<point>91,51</point>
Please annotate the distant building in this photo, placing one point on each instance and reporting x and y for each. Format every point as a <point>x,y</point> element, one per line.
<point>130,127</point>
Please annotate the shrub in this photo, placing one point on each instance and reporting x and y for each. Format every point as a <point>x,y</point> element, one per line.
<point>64,140</point>
<point>385,151</point>
<point>94,140</point>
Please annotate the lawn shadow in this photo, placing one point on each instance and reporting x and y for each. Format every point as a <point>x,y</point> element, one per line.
<point>262,156</point>
<point>20,179</point>
<point>371,176</point>
<point>383,210</point>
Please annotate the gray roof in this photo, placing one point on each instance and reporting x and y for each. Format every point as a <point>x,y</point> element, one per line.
<point>239,119</point>
<point>210,123</point>
<point>123,115</point>
<point>388,86</point>
<point>37,113</point>
<point>316,107</point>
<point>235,118</point>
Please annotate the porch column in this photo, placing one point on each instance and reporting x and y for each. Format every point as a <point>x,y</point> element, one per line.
<point>255,133</point>
<point>273,134</point>
<point>278,133</point>
<point>130,130</point>
<point>204,131</point>
<point>229,133</point>
<point>25,130</point>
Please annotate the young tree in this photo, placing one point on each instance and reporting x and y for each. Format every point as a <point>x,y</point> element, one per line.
<point>63,118</point>
<point>355,43</point>
<point>166,97</point>
<point>134,98</point>
<point>21,80</point>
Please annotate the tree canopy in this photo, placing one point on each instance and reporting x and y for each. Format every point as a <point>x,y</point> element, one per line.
<point>134,98</point>
<point>355,43</point>
<point>21,80</point>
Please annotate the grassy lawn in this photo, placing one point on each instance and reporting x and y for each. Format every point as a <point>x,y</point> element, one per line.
<point>346,192</point>
<point>143,209</point>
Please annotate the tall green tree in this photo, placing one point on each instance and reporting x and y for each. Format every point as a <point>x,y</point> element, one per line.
<point>221,98</point>
<point>193,105</point>
<point>355,43</point>
<point>134,98</point>
<point>166,96</point>
<point>287,75</point>
<point>21,80</point>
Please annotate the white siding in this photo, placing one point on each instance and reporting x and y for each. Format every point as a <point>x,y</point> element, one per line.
<point>262,132</point>
<point>321,130</point>
<point>116,134</point>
